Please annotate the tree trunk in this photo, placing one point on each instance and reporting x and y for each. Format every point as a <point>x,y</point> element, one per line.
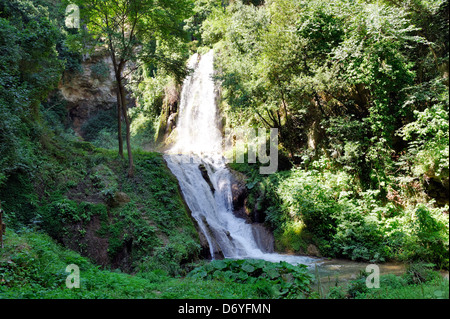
<point>123,104</point>
<point>118,74</point>
<point>119,122</point>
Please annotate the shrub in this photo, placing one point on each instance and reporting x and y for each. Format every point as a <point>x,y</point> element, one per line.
<point>419,272</point>
<point>103,120</point>
<point>428,241</point>
<point>61,213</point>
<point>358,286</point>
<point>336,292</point>
<point>429,140</point>
<point>100,71</point>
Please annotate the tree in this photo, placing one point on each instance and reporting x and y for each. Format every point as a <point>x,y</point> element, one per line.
<point>128,28</point>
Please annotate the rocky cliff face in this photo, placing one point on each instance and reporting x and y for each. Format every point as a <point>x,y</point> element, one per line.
<point>169,115</point>
<point>89,91</point>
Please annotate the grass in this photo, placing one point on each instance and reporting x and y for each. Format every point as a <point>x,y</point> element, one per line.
<point>394,287</point>
<point>436,289</point>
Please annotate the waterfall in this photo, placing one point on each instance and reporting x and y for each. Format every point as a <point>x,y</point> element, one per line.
<point>197,161</point>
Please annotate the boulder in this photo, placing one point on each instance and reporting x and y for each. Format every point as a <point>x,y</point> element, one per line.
<point>312,250</point>
<point>263,237</point>
<point>239,194</point>
<point>119,199</point>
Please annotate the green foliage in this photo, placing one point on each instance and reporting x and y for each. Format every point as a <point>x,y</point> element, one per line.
<point>153,91</point>
<point>202,9</point>
<point>274,280</point>
<point>28,266</point>
<point>283,55</point>
<point>418,282</point>
<point>429,136</point>
<point>364,70</point>
<point>348,144</point>
<point>55,115</point>
<point>171,259</point>
<point>29,69</point>
<point>60,214</point>
<point>155,222</point>
<point>71,196</point>
<point>420,272</point>
<point>336,292</point>
<point>103,121</point>
<point>19,200</point>
<point>358,286</point>
<point>372,54</point>
<point>358,90</point>
<point>100,71</point>
<point>436,289</point>
<point>139,24</point>
<point>326,208</point>
<point>340,227</point>
<point>378,87</point>
<point>429,240</point>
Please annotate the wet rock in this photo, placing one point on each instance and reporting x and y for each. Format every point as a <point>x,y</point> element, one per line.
<point>172,122</point>
<point>253,213</point>
<point>240,196</point>
<point>205,175</point>
<point>254,216</point>
<point>263,237</point>
<point>119,199</point>
<point>312,250</point>
<point>217,252</point>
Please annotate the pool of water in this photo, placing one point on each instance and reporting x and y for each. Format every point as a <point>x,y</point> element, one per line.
<point>338,272</point>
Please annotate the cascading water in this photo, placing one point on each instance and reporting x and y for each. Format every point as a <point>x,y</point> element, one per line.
<point>197,161</point>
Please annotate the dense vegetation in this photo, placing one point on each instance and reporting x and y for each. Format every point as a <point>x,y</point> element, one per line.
<point>321,207</point>
<point>359,92</point>
<point>357,89</point>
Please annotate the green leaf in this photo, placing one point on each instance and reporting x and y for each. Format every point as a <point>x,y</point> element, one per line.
<point>242,276</point>
<point>273,273</point>
<point>201,274</point>
<point>219,264</point>
<point>248,268</point>
<point>251,185</point>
